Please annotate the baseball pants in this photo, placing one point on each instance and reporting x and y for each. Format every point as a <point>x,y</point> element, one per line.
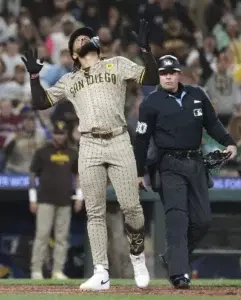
<point>48,216</point>
<point>100,159</point>
<point>184,193</point>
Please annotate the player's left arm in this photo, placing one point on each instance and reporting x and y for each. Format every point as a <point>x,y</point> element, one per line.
<point>147,75</point>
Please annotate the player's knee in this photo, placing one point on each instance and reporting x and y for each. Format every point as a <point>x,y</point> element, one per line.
<point>132,209</point>
<point>96,214</point>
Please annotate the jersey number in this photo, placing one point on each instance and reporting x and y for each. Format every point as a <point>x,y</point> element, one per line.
<point>141,127</point>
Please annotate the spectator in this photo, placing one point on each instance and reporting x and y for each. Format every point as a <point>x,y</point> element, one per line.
<point>55,72</point>
<point>209,52</point>
<point>234,40</point>
<point>28,34</point>
<point>159,12</point>
<point>214,12</point>
<point>60,9</point>
<point>223,91</point>
<point>4,31</point>
<point>39,9</point>
<point>177,40</point>
<point>233,168</point>
<point>190,76</point>
<point>10,124</point>
<point>11,57</point>
<point>90,16</point>
<point>114,21</point>
<point>132,52</point>
<point>107,42</point>
<point>45,28</point>
<point>18,87</point>
<point>12,22</point>
<point>59,40</point>
<point>3,76</point>
<point>23,146</point>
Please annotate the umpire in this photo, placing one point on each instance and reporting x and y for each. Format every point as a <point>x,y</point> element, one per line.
<point>174,115</point>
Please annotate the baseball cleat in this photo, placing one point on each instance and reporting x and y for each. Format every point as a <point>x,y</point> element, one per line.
<point>37,275</point>
<point>59,275</point>
<point>99,281</point>
<point>141,274</point>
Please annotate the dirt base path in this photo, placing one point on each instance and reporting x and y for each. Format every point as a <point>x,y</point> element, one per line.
<point>72,290</point>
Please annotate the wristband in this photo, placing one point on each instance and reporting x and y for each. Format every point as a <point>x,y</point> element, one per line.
<point>33,76</point>
<point>79,194</point>
<point>32,193</point>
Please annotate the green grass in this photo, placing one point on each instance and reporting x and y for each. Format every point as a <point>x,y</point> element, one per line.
<point>130,282</point>
<point>124,282</point>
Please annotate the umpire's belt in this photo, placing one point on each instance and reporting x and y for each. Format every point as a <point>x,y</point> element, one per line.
<point>105,134</point>
<point>182,154</point>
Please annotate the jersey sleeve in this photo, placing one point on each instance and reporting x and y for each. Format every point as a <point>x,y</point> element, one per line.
<point>145,127</point>
<point>127,69</point>
<point>56,92</point>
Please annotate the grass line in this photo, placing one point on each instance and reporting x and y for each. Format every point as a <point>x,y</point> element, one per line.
<point>130,282</point>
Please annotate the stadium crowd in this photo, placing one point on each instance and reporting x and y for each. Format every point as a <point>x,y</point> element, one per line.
<point>204,35</point>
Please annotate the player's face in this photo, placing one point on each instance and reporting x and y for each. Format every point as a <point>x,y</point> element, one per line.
<point>79,42</point>
<point>169,80</point>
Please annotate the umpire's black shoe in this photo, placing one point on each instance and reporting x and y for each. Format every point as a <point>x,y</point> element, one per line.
<point>180,282</point>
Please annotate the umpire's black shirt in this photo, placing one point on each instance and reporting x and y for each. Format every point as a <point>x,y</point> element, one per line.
<point>55,168</point>
<point>176,121</point>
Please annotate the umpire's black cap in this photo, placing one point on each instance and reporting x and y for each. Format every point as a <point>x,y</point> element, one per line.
<point>60,127</point>
<point>169,62</point>
<point>80,31</point>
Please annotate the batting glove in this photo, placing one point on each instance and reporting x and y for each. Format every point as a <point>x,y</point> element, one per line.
<point>142,38</point>
<point>31,61</point>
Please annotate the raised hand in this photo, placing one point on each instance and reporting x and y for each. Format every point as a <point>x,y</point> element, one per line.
<point>31,61</point>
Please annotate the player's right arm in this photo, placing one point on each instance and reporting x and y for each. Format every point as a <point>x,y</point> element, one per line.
<point>41,98</point>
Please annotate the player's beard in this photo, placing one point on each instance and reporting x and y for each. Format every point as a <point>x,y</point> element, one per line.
<point>86,48</point>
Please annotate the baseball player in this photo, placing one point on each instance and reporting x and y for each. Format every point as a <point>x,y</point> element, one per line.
<point>97,90</point>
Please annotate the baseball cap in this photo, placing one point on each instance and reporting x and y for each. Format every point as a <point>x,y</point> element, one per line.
<point>80,31</point>
<point>59,127</point>
<point>169,62</point>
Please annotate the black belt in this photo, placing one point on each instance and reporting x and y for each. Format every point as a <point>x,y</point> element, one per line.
<point>182,154</point>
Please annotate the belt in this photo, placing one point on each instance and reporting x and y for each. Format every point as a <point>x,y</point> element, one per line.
<point>182,154</point>
<point>105,134</point>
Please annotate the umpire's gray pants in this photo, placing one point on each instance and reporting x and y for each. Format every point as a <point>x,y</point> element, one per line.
<point>48,216</point>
